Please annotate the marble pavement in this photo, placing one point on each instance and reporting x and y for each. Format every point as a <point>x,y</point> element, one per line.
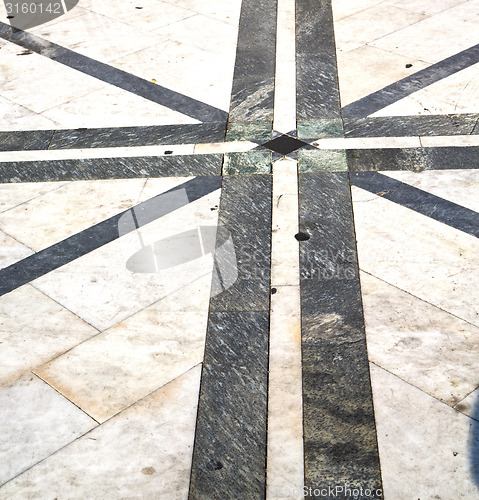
<point>240,250</point>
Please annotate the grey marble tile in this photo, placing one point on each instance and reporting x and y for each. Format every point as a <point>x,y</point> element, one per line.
<point>110,168</point>
<point>252,94</point>
<point>245,212</point>
<point>229,459</point>
<point>251,162</point>
<point>340,444</point>
<point>25,140</point>
<point>414,159</point>
<point>317,90</point>
<point>139,136</point>
<point>325,214</point>
<point>399,126</point>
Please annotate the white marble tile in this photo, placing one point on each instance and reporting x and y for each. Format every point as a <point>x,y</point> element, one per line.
<point>420,343</point>
<point>16,117</point>
<point>345,8</point>
<point>102,290</point>
<point>437,37</point>
<point>425,447</point>
<point>37,82</point>
<point>458,186</point>
<point>285,248</point>
<point>227,12</point>
<point>285,417</point>
<point>427,7</point>
<point>14,194</point>
<point>368,69</point>
<point>197,73</point>
<point>38,331</point>
<point>426,258</point>
<point>97,36</point>
<point>124,364</point>
<point>75,206</point>
<point>225,147</point>
<point>373,23</point>
<point>470,405</point>
<point>113,107</point>
<point>145,452</point>
<point>368,142</point>
<point>35,421</point>
<point>11,250</point>
<point>449,140</point>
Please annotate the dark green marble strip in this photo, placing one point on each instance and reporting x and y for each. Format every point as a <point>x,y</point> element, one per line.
<point>414,159</point>
<point>252,96</point>
<point>400,126</point>
<point>111,168</point>
<point>340,445</point>
<point>229,460</point>
<point>245,211</point>
<point>317,93</point>
<point>139,136</point>
<point>25,140</point>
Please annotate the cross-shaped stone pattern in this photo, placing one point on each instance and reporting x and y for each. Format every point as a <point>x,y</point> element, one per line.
<point>240,251</point>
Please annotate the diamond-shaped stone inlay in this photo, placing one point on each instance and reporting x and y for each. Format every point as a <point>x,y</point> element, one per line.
<point>284,144</point>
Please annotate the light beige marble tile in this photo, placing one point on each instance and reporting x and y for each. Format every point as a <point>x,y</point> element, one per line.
<point>426,258</point>
<point>449,140</point>
<point>227,12</point>
<point>345,8</point>
<point>14,194</point>
<point>420,343</point>
<point>470,405</point>
<point>97,36</point>
<point>101,289</point>
<point>73,207</point>
<point>16,117</point>
<point>285,417</point>
<point>144,452</point>
<point>129,361</point>
<point>437,37</point>
<point>39,330</point>
<point>368,69</point>
<point>427,7</point>
<point>368,142</point>
<point>458,186</point>
<point>285,248</point>
<point>11,250</point>
<point>35,421</point>
<point>425,446</point>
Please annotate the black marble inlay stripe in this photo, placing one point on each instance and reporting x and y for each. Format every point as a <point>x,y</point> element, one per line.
<point>111,168</point>
<point>64,252</point>
<point>317,91</point>
<point>229,459</point>
<point>139,136</point>
<point>25,140</point>
<point>340,444</point>
<point>252,96</point>
<point>113,76</point>
<point>407,86</point>
<point>420,201</point>
<point>245,211</point>
<point>401,126</point>
<point>414,159</point>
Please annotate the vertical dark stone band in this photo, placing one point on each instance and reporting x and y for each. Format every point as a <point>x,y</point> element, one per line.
<point>317,89</point>
<point>340,444</point>
<point>252,96</point>
<point>229,459</point>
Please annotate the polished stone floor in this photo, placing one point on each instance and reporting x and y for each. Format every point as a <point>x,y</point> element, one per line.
<point>240,250</point>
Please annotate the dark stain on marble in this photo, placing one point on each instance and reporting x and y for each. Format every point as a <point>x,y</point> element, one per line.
<point>340,442</point>
<point>420,201</point>
<point>139,136</point>
<point>111,168</point>
<point>229,459</point>
<point>401,126</point>
<point>325,213</point>
<point>317,89</point>
<point>252,96</point>
<point>66,251</point>
<point>413,159</point>
<point>114,76</point>
<point>399,90</point>
<point>245,211</point>
<point>25,140</point>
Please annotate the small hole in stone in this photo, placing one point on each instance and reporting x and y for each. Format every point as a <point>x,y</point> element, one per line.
<point>168,152</point>
<point>214,465</point>
<point>273,291</point>
<point>408,65</point>
<point>138,7</point>
<point>302,236</point>
<point>10,17</point>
